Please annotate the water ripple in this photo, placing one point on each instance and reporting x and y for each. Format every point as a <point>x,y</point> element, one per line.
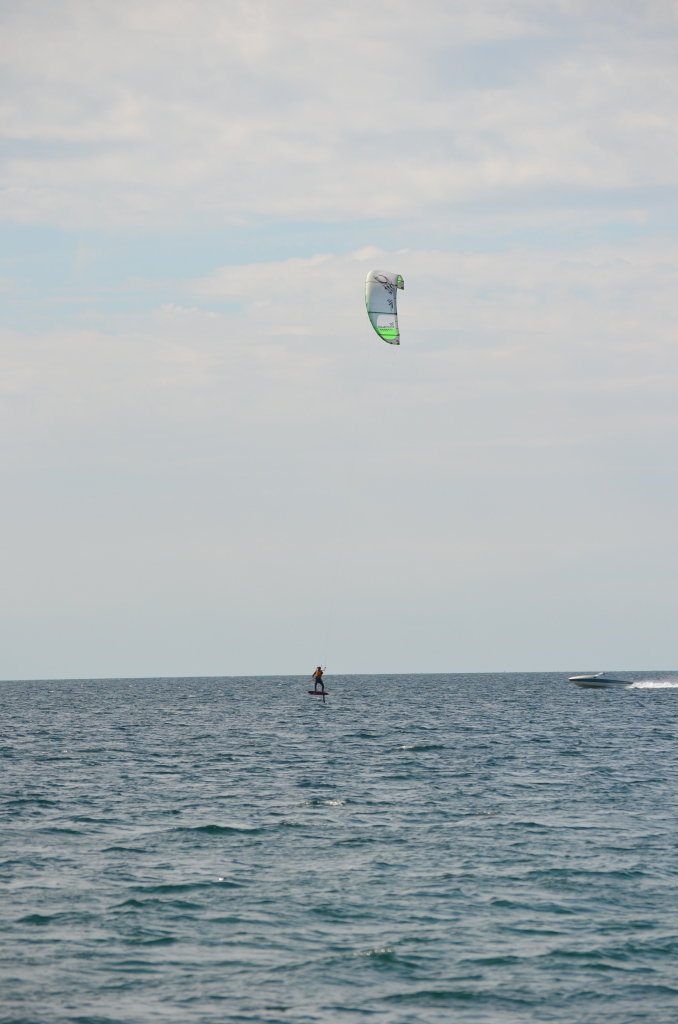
<point>491,849</point>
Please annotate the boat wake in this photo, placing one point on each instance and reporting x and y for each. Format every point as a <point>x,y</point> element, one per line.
<point>655,684</point>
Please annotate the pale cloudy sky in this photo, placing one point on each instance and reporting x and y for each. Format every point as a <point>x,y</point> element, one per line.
<point>210,463</point>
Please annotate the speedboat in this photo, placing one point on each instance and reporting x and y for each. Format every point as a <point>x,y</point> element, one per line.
<point>599,681</point>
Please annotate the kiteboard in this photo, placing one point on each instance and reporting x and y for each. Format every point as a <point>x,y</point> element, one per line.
<point>319,693</point>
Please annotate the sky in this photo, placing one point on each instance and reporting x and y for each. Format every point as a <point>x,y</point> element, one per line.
<point>210,463</point>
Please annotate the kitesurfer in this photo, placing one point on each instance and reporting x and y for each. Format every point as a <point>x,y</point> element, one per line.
<point>318,680</point>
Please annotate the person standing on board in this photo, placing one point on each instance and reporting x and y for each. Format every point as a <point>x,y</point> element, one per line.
<point>318,680</point>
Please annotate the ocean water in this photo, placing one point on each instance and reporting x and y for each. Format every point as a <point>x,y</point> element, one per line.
<point>467,848</point>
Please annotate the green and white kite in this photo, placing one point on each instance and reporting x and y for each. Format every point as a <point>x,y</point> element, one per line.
<point>380,299</point>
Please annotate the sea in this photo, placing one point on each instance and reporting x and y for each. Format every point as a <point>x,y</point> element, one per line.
<point>495,849</point>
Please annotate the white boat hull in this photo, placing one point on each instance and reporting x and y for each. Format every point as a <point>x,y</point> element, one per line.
<point>600,681</point>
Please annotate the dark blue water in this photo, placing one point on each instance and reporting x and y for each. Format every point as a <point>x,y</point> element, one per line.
<point>487,848</point>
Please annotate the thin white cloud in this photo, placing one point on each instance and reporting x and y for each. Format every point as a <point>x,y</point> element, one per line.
<point>188,482</point>
<point>598,319</point>
<point>181,466</point>
<point>174,113</point>
<point>609,292</point>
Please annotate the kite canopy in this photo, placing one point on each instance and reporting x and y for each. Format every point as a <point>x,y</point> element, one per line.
<point>380,299</point>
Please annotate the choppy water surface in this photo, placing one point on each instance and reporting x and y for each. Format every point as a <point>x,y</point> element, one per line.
<point>497,848</point>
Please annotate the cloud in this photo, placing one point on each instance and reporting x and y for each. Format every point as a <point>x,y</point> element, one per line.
<point>188,482</point>
<point>173,113</point>
<point>269,339</point>
<point>201,444</point>
<point>603,291</point>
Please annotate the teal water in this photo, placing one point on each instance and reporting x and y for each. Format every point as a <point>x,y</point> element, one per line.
<point>468,848</point>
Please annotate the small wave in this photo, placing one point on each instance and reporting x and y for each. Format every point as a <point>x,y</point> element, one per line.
<point>159,903</point>
<point>472,817</point>
<point>419,748</point>
<point>383,957</point>
<point>216,830</point>
<point>120,849</point>
<point>183,887</point>
<point>27,801</point>
<point>434,997</point>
